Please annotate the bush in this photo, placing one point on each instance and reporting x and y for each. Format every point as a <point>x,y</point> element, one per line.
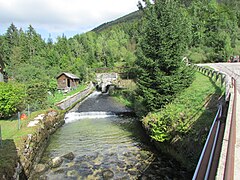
<point>37,95</point>
<point>12,97</point>
<point>178,117</point>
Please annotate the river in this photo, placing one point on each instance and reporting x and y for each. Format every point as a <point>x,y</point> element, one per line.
<point>106,146</point>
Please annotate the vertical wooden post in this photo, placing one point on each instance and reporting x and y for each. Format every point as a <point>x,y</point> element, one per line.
<point>28,110</point>
<point>1,136</point>
<point>19,120</point>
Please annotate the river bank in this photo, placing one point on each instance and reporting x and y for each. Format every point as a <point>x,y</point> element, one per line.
<point>180,129</point>
<point>104,145</point>
<point>22,149</point>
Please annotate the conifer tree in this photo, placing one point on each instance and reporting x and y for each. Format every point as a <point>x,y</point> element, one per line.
<point>164,37</point>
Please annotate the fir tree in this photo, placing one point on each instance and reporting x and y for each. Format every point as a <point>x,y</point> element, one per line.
<point>164,37</point>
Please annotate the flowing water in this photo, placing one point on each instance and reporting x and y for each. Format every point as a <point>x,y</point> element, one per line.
<point>105,146</point>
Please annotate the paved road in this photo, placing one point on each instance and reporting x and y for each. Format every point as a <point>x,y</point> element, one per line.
<point>232,69</point>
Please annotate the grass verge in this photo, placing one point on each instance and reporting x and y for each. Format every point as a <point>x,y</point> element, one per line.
<point>13,139</point>
<point>125,95</point>
<point>180,129</point>
<point>59,96</point>
<point>182,126</point>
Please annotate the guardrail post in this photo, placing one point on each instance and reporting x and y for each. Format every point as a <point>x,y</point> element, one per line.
<point>222,79</point>
<point>217,76</point>
<point>212,73</point>
<point>19,125</point>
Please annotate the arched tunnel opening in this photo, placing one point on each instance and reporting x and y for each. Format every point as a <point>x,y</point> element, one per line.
<point>104,88</point>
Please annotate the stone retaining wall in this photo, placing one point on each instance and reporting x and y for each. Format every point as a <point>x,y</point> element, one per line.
<point>68,102</point>
<point>35,144</point>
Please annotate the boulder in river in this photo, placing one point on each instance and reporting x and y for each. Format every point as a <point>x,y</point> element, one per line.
<point>72,173</point>
<point>56,162</point>
<point>40,168</point>
<point>107,174</point>
<point>69,156</point>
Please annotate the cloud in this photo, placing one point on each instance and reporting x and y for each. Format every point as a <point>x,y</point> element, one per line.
<point>63,15</point>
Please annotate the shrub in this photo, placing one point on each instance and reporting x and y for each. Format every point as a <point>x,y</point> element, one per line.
<point>37,95</point>
<point>12,97</point>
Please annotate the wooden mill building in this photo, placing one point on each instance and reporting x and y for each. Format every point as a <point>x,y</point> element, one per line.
<point>67,81</point>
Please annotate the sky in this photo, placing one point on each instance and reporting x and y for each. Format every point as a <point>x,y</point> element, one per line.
<point>56,17</point>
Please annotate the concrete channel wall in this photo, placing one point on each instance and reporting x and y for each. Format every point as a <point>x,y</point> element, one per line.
<point>70,101</point>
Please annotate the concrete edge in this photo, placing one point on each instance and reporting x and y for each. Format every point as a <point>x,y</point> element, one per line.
<point>237,145</point>
<point>223,154</point>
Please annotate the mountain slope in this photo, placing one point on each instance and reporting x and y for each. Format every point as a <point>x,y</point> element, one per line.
<point>127,18</point>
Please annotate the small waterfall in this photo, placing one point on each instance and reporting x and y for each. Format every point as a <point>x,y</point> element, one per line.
<point>74,116</point>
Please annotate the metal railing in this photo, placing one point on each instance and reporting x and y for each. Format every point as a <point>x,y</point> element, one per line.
<point>229,166</point>
<point>204,169</point>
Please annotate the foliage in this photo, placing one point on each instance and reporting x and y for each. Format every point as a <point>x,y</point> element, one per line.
<point>132,17</point>
<point>31,61</point>
<point>178,117</point>
<point>162,42</point>
<point>37,95</point>
<point>214,28</point>
<point>52,87</point>
<point>183,125</point>
<point>208,28</point>
<point>11,98</point>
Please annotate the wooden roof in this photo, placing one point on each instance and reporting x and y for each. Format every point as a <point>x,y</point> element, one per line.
<point>69,75</point>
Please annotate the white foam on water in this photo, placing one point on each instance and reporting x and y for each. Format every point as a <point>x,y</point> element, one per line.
<point>75,116</point>
<point>94,94</point>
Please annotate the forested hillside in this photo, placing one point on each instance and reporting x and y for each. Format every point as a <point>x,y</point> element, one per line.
<point>128,18</point>
<point>212,35</point>
<point>35,63</point>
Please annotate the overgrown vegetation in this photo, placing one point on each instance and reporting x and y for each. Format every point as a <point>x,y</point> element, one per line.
<point>215,31</point>
<point>184,123</point>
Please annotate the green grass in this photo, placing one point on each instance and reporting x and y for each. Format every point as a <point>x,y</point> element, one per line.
<point>184,123</point>
<point>12,140</point>
<point>125,95</point>
<point>59,96</point>
<point>120,97</point>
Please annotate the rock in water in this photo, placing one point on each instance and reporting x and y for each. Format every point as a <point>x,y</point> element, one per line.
<point>107,174</point>
<point>72,173</point>
<point>40,168</point>
<point>69,156</point>
<point>56,162</point>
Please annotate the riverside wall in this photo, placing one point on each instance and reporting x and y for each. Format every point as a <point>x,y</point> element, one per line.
<point>74,99</point>
<point>35,144</point>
